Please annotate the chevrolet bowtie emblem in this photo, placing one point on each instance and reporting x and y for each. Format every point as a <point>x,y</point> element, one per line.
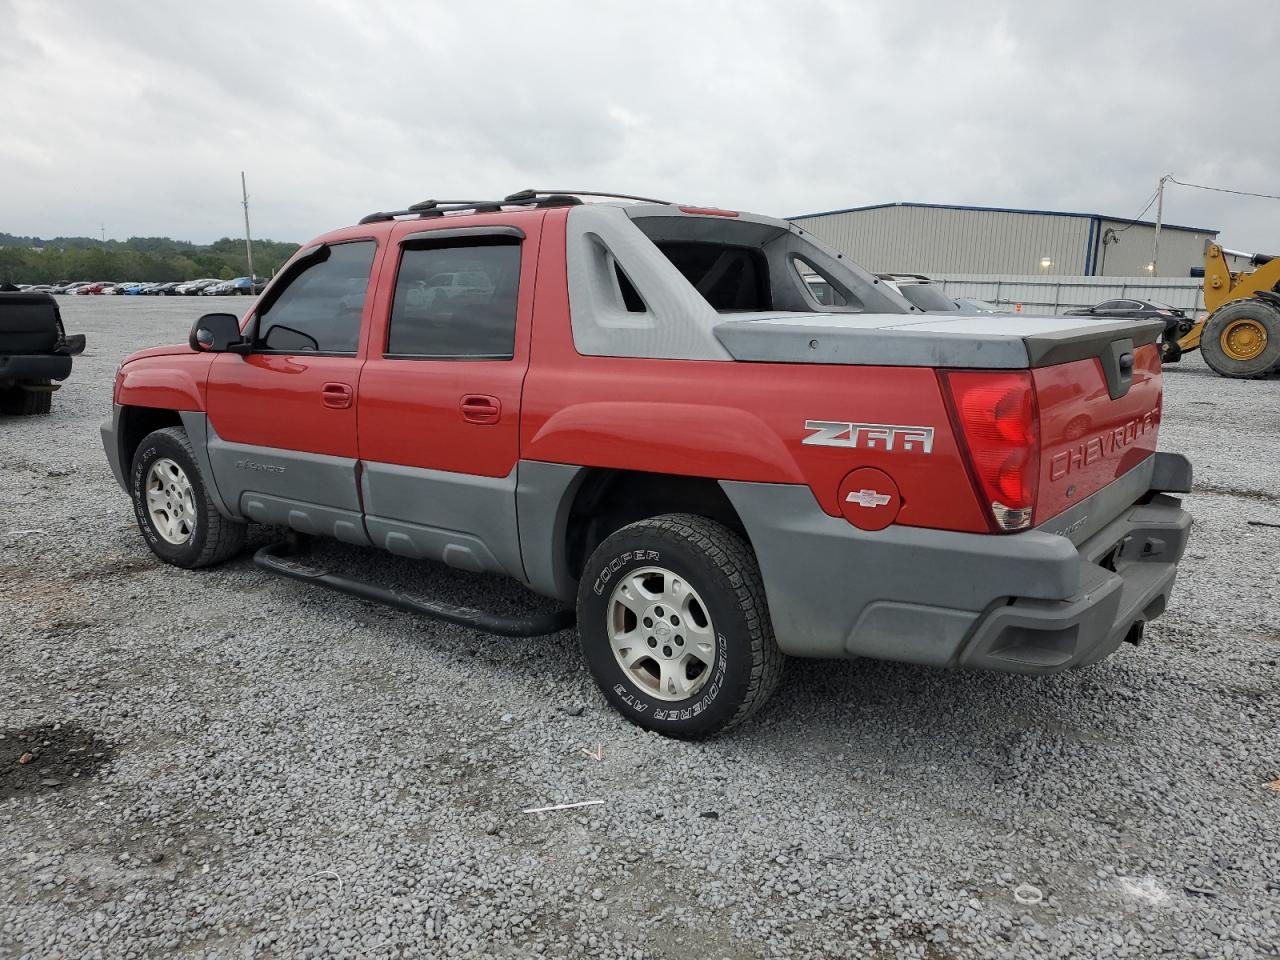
<point>868,498</point>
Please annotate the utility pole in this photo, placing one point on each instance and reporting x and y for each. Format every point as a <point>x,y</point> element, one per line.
<point>1155,247</point>
<point>103,227</point>
<point>248,244</point>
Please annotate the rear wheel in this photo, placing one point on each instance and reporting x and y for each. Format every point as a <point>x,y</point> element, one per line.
<point>675,628</point>
<point>20,402</point>
<point>1242,339</point>
<point>175,513</point>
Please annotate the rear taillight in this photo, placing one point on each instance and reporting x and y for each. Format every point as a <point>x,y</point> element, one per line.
<point>995,414</point>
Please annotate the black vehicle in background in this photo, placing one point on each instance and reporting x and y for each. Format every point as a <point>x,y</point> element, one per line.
<point>162,289</point>
<point>35,351</point>
<point>1177,322</point>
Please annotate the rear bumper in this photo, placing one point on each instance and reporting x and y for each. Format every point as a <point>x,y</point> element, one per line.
<point>1127,572</point>
<point>38,366</point>
<point>1032,602</point>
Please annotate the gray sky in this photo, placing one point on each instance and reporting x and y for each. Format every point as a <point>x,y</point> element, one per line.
<point>135,115</point>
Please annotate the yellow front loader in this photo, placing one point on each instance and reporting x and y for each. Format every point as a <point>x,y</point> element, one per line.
<point>1240,337</point>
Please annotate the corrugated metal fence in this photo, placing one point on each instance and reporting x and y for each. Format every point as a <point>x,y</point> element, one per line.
<point>1039,294</point>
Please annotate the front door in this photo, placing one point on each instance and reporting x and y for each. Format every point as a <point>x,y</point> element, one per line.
<point>439,408</point>
<point>282,439</point>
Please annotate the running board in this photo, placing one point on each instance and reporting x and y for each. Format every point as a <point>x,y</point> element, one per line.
<point>276,558</point>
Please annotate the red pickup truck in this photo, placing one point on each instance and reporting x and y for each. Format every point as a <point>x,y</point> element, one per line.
<point>642,410</point>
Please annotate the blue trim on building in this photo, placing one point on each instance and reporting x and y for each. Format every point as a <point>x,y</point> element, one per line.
<point>1094,224</point>
<point>1042,213</point>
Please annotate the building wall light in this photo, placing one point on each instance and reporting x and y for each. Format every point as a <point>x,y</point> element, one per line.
<point>1045,263</point>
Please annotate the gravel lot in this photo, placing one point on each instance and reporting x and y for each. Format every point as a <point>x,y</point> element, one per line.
<point>229,764</point>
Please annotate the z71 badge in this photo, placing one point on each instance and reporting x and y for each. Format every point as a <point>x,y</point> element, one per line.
<point>870,436</point>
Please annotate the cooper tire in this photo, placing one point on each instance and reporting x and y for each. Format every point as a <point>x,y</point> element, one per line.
<point>1249,320</point>
<point>204,537</point>
<point>710,569</point>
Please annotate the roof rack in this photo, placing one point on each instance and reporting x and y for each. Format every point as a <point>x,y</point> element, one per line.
<point>521,198</point>
<point>522,194</point>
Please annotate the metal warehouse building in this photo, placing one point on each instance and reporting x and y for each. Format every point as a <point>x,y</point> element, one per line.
<point>936,238</point>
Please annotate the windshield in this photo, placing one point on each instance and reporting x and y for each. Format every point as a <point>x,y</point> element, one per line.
<point>928,297</point>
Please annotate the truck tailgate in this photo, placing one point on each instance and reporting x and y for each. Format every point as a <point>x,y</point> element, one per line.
<point>1088,439</point>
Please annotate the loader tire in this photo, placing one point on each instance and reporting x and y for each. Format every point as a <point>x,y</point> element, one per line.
<point>1242,339</point>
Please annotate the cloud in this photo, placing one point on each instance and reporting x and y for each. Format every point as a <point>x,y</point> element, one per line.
<point>141,116</point>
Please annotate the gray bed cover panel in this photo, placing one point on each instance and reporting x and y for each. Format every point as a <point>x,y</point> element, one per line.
<point>915,340</point>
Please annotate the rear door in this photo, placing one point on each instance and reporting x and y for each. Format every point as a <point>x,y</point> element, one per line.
<point>283,418</point>
<point>439,399</point>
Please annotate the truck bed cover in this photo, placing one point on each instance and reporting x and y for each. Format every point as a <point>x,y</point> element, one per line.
<point>926,340</point>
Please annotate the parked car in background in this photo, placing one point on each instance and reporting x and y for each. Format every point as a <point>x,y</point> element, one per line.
<point>193,287</point>
<point>162,289</point>
<point>1177,322</point>
<point>246,287</point>
<point>974,305</point>
<point>35,352</point>
<point>921,292</point>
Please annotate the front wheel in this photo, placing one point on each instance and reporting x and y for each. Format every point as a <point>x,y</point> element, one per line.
<point>175,513</point>
<point>675,627</point>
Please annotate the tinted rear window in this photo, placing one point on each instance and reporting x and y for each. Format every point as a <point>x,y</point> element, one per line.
<point>730,278</point>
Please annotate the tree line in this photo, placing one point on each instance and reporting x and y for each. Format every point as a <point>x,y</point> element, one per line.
<point>33,260</point>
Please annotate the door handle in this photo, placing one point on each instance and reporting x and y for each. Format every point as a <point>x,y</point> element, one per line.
<point>479,408</point>
<point>336,395</point>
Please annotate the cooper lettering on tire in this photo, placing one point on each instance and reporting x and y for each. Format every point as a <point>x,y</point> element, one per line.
<point>675,628</point>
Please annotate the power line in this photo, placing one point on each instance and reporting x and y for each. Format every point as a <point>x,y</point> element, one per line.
<point>1239,193</point>
<point>1134,220</point>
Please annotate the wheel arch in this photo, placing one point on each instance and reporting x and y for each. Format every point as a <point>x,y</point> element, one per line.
<point>565,512</point>
<point>134,425</point>
<point>136,422</point>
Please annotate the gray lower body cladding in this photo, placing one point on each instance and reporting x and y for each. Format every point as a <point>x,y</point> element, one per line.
<point>465,521</point>
<point>1032,602</point>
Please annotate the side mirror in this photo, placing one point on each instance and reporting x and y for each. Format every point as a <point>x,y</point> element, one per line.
<point>217,333</point>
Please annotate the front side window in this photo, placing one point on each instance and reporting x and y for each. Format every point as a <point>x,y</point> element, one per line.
<point>456,301</point>
<point>319,310</point>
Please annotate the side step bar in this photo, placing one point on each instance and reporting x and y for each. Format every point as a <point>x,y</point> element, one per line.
<point>277,558</point>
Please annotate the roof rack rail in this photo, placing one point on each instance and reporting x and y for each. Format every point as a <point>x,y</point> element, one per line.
<point>525,194</point>
<point>438,208</point>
